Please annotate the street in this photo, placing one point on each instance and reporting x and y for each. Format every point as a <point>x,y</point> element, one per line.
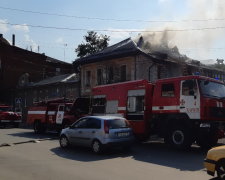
<point>31,156</point>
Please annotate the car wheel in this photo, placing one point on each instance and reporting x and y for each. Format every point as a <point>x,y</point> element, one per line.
<point>97,147</point>
<point>221,170</point>
<point>180,138</point>
<point>64,142</point>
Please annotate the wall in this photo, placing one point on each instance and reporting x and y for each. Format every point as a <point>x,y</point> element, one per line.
<point>104,65</point>
<point>15,62</point>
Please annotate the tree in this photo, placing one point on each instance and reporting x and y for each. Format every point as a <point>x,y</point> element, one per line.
<point>94,43</point>
<point>220,64</point>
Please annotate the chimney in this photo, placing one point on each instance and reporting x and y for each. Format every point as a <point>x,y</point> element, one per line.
<point>13,39</point>
<point>140,42</point>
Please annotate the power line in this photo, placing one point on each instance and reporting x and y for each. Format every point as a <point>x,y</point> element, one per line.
<point>114,31</point>
<point>111,19</point>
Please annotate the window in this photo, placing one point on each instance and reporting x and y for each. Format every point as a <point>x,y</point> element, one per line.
<point>212,89</point>
<point>117,123</point>
<point>93,123</point>
<point>112,107</point>
<point>109,75</point>
<point>135,104</point>
<point>80,124</point>
<point>88,79</point>
<point>98,105</point>
<point>123,73</point>
<point>189,88</point>
<point>99,77</point>
<point>61,108</point>
<point>168,90</point>
<point>57,70</point>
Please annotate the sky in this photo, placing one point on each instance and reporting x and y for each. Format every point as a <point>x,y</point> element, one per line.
<point>196,27</point>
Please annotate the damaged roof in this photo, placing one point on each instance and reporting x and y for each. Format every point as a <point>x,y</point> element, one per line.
<point>65,78</point>
<point>121,49</point>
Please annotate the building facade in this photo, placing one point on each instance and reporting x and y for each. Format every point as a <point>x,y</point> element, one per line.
<point>20,67</point>
<point>127,61</point>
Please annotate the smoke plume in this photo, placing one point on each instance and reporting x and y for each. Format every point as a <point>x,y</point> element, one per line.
<point>195,43</point>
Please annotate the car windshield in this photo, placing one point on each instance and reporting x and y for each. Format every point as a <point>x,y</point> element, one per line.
<point>212,89</point>
<point>117,123</point>
<point>5,108</point>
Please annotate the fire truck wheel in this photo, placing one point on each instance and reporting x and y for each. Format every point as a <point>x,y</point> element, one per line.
<point>16,125</point>
<point>2,126</point>
<point>38,127</point>
<point>64,142</point>
<point>180,138</point>
<point>97,147</point>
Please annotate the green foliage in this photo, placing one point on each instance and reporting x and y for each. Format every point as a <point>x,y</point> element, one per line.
<point>219,66</point>
<point>94,43</point>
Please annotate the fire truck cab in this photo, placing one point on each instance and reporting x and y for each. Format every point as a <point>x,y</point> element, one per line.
<point>56,114</point>
<point>182,110</point>
<point>8,116</point>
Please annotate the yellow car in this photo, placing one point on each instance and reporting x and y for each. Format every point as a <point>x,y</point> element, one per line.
<point>215,162</point>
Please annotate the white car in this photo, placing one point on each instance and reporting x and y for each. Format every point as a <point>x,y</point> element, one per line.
<point>98,132</point>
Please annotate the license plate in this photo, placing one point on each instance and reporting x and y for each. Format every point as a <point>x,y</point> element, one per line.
<point>123,134</point>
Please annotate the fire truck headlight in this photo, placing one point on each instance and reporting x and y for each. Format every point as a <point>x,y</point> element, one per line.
<point>205,125</point>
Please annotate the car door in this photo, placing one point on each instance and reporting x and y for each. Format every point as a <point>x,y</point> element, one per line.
<point>60,114</point>
<point>92,130</point>
<point>77,132</point>
<point>190,99</point>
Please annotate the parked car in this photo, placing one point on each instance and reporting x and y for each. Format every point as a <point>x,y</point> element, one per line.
<point>98,132</point>
<point>215,162</point>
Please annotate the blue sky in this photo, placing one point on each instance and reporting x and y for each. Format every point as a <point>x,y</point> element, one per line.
<point>60,44</point>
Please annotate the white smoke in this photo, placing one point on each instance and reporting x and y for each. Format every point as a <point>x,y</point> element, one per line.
<point>198,42</point>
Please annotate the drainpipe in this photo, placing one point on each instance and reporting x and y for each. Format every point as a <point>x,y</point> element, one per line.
<point>149,70</point>
<point>135,67</point>
<point>13,39</point>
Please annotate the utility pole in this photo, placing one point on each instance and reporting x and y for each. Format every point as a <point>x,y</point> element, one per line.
<point>65,50</point>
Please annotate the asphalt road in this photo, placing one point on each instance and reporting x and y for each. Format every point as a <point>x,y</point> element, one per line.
<point>40,157</point>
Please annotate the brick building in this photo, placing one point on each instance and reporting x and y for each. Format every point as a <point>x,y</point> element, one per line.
<point>20,67</point>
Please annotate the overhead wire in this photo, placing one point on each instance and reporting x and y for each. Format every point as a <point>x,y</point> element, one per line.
<point>113,31</point>
<point>109,19</point>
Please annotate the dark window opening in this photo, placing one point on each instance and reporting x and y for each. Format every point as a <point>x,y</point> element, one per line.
<point>123,73</point>
<point>135,104</point>
<point>98,105</point>
<point>168,90</point>
<point>110,76</point>
<point>88,79</point>
<point>99,77</point>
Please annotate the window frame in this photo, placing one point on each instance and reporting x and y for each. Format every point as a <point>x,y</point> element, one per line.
<point>168,95</point>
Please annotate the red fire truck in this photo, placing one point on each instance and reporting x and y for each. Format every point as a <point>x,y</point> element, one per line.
<point>182,110</point>
<point>8,117</point>
<point>56,114</point>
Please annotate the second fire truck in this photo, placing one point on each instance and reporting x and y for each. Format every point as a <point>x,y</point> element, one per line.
<point>56,114</point>
<point>182,110</point>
